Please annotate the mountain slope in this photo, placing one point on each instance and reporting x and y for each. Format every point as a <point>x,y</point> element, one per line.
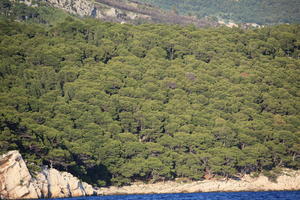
<point>112,10</point>
<point>241,11</point>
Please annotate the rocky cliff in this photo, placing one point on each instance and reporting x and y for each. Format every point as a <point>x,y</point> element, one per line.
<point>122,11</point>
<point>79,7</point>
<point>17,183</point>
<point>15,179</point>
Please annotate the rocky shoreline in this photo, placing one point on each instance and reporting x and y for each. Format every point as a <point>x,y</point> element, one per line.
<point>17,183</point>
<point>290,180</point>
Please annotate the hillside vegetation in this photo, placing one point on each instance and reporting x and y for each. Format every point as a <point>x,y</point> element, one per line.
<point>242,11</point>
<point>114,103</point>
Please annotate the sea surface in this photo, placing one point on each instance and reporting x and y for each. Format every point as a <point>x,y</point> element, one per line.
<point>282,195</point>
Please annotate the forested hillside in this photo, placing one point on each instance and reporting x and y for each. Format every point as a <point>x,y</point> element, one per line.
<point>242,11</point>
<point>114,103</point>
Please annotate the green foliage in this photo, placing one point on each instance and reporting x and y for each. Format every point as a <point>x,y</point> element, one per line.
<point>39,14</point>
<point>116,103</point>
<point>273,175</point>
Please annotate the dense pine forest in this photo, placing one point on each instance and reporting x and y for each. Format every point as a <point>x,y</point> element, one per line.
<point>241,11</point>
<point>116,103</point>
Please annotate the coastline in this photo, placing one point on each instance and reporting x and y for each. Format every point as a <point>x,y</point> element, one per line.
<point>17,183</point>
<point>289,181</point>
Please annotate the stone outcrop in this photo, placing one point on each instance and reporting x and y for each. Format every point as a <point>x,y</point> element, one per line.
<point>17,183</point>
<point>15,179</point>
<point>78,7</point>
<point>54,183</point>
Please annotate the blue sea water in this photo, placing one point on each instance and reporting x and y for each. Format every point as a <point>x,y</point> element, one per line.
<point>280,195</point>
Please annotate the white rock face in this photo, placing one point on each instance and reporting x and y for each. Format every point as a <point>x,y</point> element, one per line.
<point>54,183</point>
<point>112,12</point>
<point>17,183</point>
<point>79,7</point>
<point>15,179</point>
<point>90,8</point>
